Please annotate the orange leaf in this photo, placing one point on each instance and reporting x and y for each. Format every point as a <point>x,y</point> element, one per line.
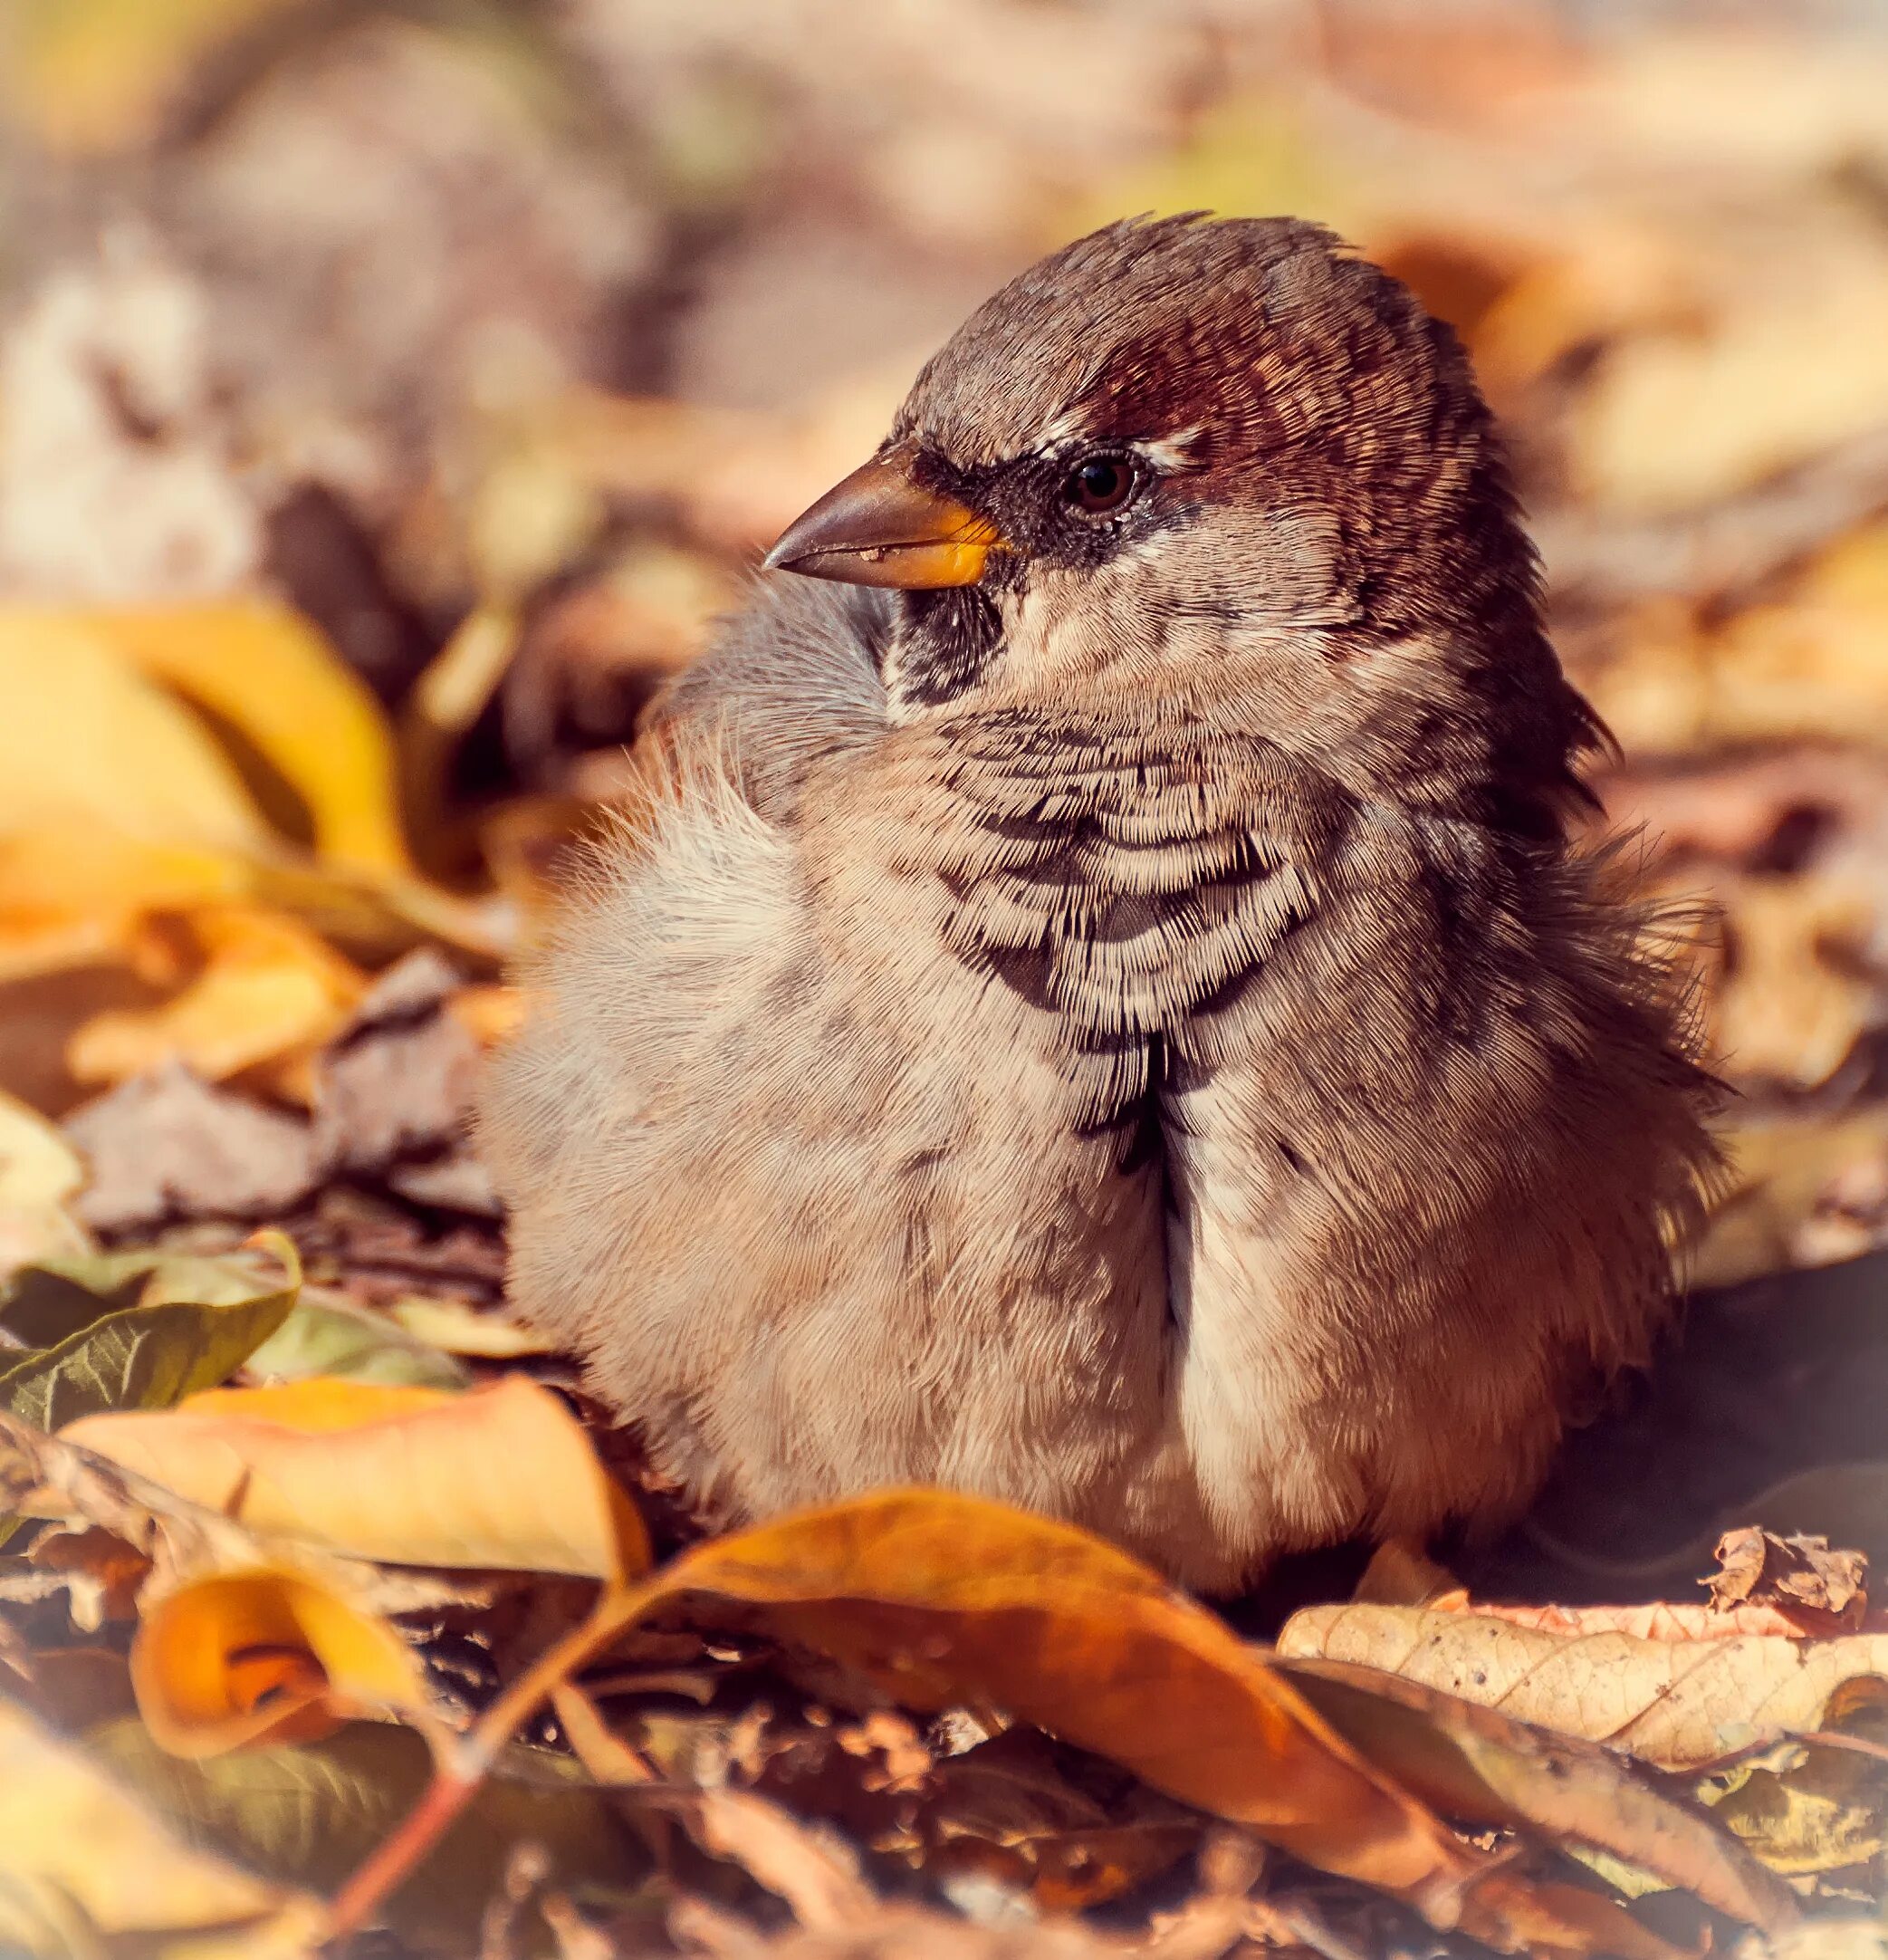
<point>268,1655</point>
<point>500,1477</point>
<point>268,671</point>
<point>269,988</point>
<point>944,1599</point>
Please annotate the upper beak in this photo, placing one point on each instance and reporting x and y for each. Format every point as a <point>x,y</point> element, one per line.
<point>878,527</point>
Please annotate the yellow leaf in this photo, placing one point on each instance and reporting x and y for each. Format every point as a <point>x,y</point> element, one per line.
<point>87,741</point>
<point>499,1477</point>
<point>39,1172</point>
<point>269,672</point>
<point>269,988</point>
<point>71,1840</point>
<point>274,1654</point>
<point>454,1328</point>
<point>92,75</point>
<point>1675,419</point>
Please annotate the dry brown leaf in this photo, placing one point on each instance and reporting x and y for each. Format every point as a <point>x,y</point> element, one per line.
<point>1658,1619</point>
<point>1675,1702</point>
<point>1802,1576</point>
<point>170,1144</point>
<point>944,1598</point>
<point>397,1082</point>
<point>499,1477</point>
<point>1480,1766</point>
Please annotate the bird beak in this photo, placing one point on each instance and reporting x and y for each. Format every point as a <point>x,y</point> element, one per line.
<point>879,527</point>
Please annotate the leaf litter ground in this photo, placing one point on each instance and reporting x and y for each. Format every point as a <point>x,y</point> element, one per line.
<point>326,1602</point>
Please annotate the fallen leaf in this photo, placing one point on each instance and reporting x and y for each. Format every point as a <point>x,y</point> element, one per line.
<point>267,672</point>
<point>1800,1574</point>
<point>192,1324</point>
<point>502,1477</point>
<point>87,742</point>
<point>326,1334</point>
<point>942,1599</point>
<point>1816,1805</point>
<point>72,1840</point>
<point>1675,1702</point>
<point>268,987</point>
<point>454,1328</point>
<point>1480,1766</point>
<point>393,1091</point>
<point>308,1814</point>
<point>273,1654</point>
<point>169,1145</point>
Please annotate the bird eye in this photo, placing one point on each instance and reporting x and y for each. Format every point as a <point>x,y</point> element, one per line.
<point>1100,485</point>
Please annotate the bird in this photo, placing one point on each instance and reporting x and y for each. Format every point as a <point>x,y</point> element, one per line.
<point>1107,991</point>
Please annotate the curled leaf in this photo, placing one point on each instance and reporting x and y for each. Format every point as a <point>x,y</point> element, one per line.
<point>269,1654</point>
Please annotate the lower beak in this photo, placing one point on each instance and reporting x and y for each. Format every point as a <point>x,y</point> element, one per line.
<point>878,527</point>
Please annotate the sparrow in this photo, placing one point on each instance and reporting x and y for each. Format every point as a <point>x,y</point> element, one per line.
<point>1095,999</point>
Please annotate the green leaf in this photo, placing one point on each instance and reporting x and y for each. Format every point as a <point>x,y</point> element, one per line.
<point>307,1813</point>
<point>155,1330</point>
<point>40,1305</point>
<point>330,1337</point>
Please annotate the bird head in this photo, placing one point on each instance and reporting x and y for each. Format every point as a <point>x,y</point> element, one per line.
<point>1184,459</point>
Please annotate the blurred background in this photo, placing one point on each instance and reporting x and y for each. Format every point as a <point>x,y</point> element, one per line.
<point>391,396</point>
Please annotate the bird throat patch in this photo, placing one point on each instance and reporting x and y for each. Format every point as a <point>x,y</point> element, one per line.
<point>942,646</point>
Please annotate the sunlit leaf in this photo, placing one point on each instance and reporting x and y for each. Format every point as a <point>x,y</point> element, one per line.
<point>309,1814</point>
<point>73,1838</point>
<point>270,1655</point>
<point>268,672</point>
<point>1675,1702</point>
<point>87,740</point>
<point>192,1323</point>
<point>500,1477</point>
<point>945,1600</point>
<point>334,1338</point>
<point>1480,1766</point>
<point>269,988</point>
<point>451,1327</point>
